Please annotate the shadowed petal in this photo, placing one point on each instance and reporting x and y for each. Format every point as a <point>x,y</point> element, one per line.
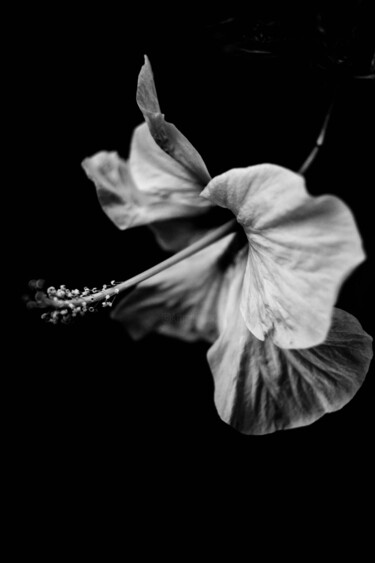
<point>175,234</point>
<point>166,135</point>
<point>183,301</point>
<point>301,249</point>
<point>260,388</point>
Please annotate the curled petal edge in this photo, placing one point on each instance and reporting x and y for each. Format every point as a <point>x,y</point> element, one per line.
<point>301,250</point>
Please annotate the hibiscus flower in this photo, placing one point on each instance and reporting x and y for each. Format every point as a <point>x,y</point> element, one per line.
<point>260,288</point>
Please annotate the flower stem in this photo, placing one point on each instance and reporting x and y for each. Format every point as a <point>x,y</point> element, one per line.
<point>318,143</point>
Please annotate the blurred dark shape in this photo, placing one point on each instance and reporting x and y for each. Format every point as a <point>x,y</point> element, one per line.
<point>337,38</point>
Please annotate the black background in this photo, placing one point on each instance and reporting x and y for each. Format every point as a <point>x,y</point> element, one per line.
<point>94,415</point>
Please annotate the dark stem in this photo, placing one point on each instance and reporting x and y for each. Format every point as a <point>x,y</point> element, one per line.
<point>318,143</point>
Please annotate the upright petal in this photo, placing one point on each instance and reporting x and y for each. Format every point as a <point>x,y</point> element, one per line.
<point>260,388</point>
<point>165,134</point>
<point>301,249</point>
<point>185,300</point>
<point>161,181</point>
<point>156,172</point>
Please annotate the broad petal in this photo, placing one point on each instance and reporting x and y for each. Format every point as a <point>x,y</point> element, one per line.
<point>260,388</point>
<point>301,249</point>
<point>149,188</point>
<point>185,300</point>
<point>165,134</point>
<point>157,173</point>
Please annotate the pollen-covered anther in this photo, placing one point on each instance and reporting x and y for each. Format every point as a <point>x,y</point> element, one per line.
<point>107,302</point>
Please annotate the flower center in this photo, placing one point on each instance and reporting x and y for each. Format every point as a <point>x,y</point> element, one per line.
<point>63,303</point>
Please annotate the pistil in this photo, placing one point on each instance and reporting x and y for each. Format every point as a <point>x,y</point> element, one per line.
<point>66,303</point>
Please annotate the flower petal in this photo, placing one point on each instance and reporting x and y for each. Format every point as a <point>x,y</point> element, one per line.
<point>161,181</point>
<point>184,300</point>
<point>157,173</point>
<point>260,388</point>
<point>301,249</point>
<point>150,187</point>
<point>165,134</point>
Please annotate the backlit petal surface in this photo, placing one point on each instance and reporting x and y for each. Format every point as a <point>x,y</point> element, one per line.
<point>301,249</point>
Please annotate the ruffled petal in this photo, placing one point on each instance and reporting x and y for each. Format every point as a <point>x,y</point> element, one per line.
<point>185,300</point>
<point>150,187</point>
<point>160,182</point>
<point>165,134</point>
<point>260,388</point>
<point>301,249</point>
